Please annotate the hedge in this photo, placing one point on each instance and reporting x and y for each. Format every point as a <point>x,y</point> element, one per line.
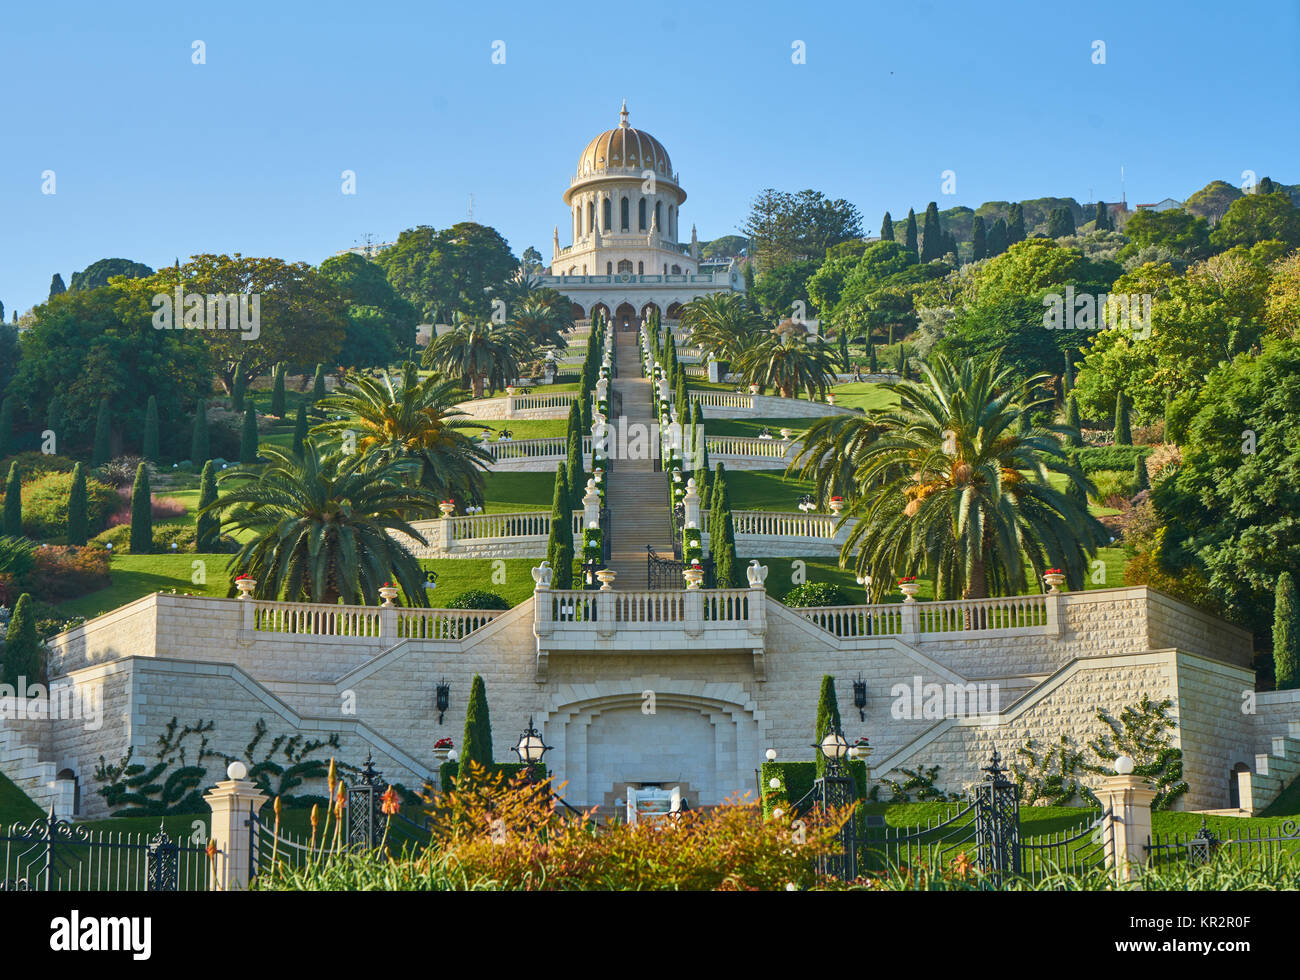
<point>447,774</point>
<point>1096,458</point>
<point>477,599</point>
<point>797,780</point>
<point>817,594</point>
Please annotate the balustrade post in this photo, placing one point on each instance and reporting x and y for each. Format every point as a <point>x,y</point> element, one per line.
<point>693,611</point>
<point>606,612</point>
<point>911,620</point>
<point>1055,613</point>
<point>234,802</point>
<point>1128,829</point>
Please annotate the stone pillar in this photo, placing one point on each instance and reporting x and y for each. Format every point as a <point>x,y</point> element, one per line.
<point>1128,798</point>
<point>693,601</point>
<point>757,609</point>
<point>1055,613</point>
<point>692,504</point>
<point>591,505</point>
<point>911,620</point>
<point>233,801</point>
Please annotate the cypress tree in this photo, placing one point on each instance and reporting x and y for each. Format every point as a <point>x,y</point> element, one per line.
<point>1060,223</point>
<point>237,389</point>
<point>1077,491</point>
<point>300,428</point>
<point>56,286</point>
<point>77,519</point>
<point>8,415</point>
<point>1140,480</point>
<point>1015,225</point>
<point>909,241</point>
<point>103,450</point>
<point>996,240</point>
<point>887,228</point>
<point>559,547</point>
<point>476,744</point>
<point>679,400</point>
<point>13,515</point>
<point>932,238</point>
<point>1075,437</point>
<point>979,243</point>
<point>701,473</point>
<point>1101,220</point>
<point>1286,634</point>
<point>576,478</point>
<point>150,446</point>
<point>208,527</point>
<point>248,437</point>
<point>828,717</point>
<point>871,352</point>
<point>200,451</point>
<point>277,390</point>
<point>318,384</point>
<point>902,359</point>
<point>1123,433</point>
<point>23,656</point>
<point>1067,379</point>
<point>141,513</point>
<point>723,547</point>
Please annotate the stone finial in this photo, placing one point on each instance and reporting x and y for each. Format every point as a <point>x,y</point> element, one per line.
<point>757,574</point>
<point>542,576</point>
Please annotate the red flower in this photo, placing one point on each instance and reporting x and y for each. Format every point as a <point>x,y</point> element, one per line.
<point>442,743</point>
<point>906,578</point>
<point>1054,571</point>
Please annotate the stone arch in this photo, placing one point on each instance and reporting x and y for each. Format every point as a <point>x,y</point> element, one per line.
<point>720,735</point>
<point>577,311</point>
<point>674,311</point>
<point>640,214</point>
<point>602,309</point>
<point>649,309</point>
<point>625,316</point>
<point>625,215</point>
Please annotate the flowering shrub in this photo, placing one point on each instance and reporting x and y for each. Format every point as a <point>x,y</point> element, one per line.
<point>66,573</point>
<point>443,743</point>
<point>45,505</point>
<point>906,579</point>
<point>163,508</point>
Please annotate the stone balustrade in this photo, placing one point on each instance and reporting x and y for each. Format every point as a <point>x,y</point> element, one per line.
<point>519,534</point>
<point>785,534</point>
<point>753,447</point>
<point>533,455</point>
<point>913,620</point>
<point>554,405</point>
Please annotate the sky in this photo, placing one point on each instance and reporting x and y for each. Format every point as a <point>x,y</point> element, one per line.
<point>156,157</point>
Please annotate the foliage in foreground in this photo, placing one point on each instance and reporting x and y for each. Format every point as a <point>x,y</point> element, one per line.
<point>500,835</point>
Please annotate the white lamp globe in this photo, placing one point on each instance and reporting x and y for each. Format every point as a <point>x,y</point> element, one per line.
<point>771,755</point>
<point>1124,766</point>
<point>834,745</point>
<point>236,770</point>
<point>453,756</point>
<point>774,783</point>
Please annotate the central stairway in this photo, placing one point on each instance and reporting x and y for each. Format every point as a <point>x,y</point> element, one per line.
<point>637,495</point>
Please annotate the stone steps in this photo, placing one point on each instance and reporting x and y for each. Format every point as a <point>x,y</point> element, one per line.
<point>1274,771</point>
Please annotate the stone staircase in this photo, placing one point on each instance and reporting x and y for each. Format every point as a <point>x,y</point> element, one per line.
<point>1274,771</point>
<point>25,761</point>
<point>637,495</point>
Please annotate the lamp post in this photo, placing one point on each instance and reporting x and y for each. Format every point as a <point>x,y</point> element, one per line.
<point>530,748</point>
<point>835,789</point>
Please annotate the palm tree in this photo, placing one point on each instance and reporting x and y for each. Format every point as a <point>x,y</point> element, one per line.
<point>478,351</point>
<point>724,324</point>
<point>411,419</point>
<point>832,450</point>
<point>953,489</point>
<point>789,363</point>
<point>542,319</point>
<point>322,524</point>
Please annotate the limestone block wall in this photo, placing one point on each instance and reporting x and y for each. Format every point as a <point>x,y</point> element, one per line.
<point>1213,731</point>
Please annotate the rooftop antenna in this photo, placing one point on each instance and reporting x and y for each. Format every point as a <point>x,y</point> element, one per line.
<point>471,207</point>
<point>1122,197</point>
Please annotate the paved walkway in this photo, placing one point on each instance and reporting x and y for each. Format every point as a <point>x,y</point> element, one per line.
<point>637,495</point>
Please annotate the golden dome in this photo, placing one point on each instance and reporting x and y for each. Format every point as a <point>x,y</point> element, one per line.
<point>624,147</point>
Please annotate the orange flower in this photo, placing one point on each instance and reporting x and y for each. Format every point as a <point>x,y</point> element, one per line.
<point>390,803</point>
<point>961,864</point>
<point>212,849</point>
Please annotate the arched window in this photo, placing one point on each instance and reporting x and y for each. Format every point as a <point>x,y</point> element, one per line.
<point>591,217</point>
<point>640,268</point>
<point>659,216</point>
<point>672,224</point>
<point>625,217</point>
<point>677,270</point>
<point>665,269</point>
<point>609,268</point>
<point>640,212</point>
<point>607,215</point>
<point>625,267</point>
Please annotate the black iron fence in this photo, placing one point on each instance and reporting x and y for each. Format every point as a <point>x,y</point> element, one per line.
<point>1264,845</point>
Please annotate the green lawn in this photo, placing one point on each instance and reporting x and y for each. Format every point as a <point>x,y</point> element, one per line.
<point>765,490</point>
<point>752,427</point>
<point>507,492</point>
<point>527,428</point>
<point>15,807</point>
<point>864,395</point>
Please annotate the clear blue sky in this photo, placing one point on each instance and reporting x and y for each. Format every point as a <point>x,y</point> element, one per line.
<point>156,157</point>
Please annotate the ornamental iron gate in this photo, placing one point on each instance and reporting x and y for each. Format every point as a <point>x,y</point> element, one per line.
<point>51,854</point>
<point>666,573</point>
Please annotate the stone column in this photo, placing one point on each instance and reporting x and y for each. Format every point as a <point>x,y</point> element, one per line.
<point>233,802</point>
<point>1128,798</point>
<point>591,505</point>
<point>692,504</point>
<point>1055,613</point>
<point>693,601</point>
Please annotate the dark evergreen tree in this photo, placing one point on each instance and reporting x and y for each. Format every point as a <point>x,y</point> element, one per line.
<point>208,527</point>
<point>722,544</point>
<point>1286,634</point>
<point>277,390</point>
<point>873,366</point>
<point>103,449</point>
<point>576,478</point>
<point>1060,223</point>
<point>13,513</point>
<point>300,428</point>
<point>1140,479</point>
<point>1123,433</point>
<point>886,233</point>
<point>1014,225</point>
<point>828,718</point>
<point>932,237</point>
<point>1101,220</point>
<point>476,745</point>
<point>141,513</point>
<point>237,390</point>
<point>318,383</point>
<point>910,239</point>
<point>8,425</point>
<point>1075,436</point>
<point>56,286</point>
<point>950,247</point>
<point>559,546</point>
<point>200,452</point>
<point>77,516</point>
<point>150,445</point>
<point>979,243</point>
<point>24,656</point>
<point>248,436</point>
<point>997,238</point>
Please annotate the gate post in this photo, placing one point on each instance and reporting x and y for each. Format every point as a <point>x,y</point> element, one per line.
<point>233,801</point>
<point>1127,828</point>
<point>997,823</point>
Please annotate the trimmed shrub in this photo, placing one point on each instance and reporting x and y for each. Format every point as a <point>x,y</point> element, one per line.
<point>477,599</point>
<point>559,546</point>
<point>300,428</point>
<point>208,526</point>
<point>1112,484</point>
<point>318,384</point>
<point>817,594</point>
<point>77,522</point>
<point>476,744</point>
<point>34,464</point>
<point>277,390</point>
<point>141,513</point>
<point>45,505</point>
<point>248,436</point>
<point>12,524</point>
<point>62,573</point>
<point>1286,634</point>
<point>23,652</point>
<point>447,772</point>
<point>1123,431</point>
<point>1096,458</point>
<point>828,717</point>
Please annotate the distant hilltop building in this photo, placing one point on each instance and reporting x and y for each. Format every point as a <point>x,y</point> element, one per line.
<point>369,250</point>
<point>1168,204</point>
<point>625,258</point>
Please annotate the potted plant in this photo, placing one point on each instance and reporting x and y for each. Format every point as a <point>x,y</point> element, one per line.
<point>910,587</point>
<point>694,573</point>
<point>860,750</point>
<point>448,507</point>
<point>245,584</point>
<point>753,389</point>
<point>837,505</point>
<point>388,592</point>
<point>1055,578</point>
<point>441,749</point>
